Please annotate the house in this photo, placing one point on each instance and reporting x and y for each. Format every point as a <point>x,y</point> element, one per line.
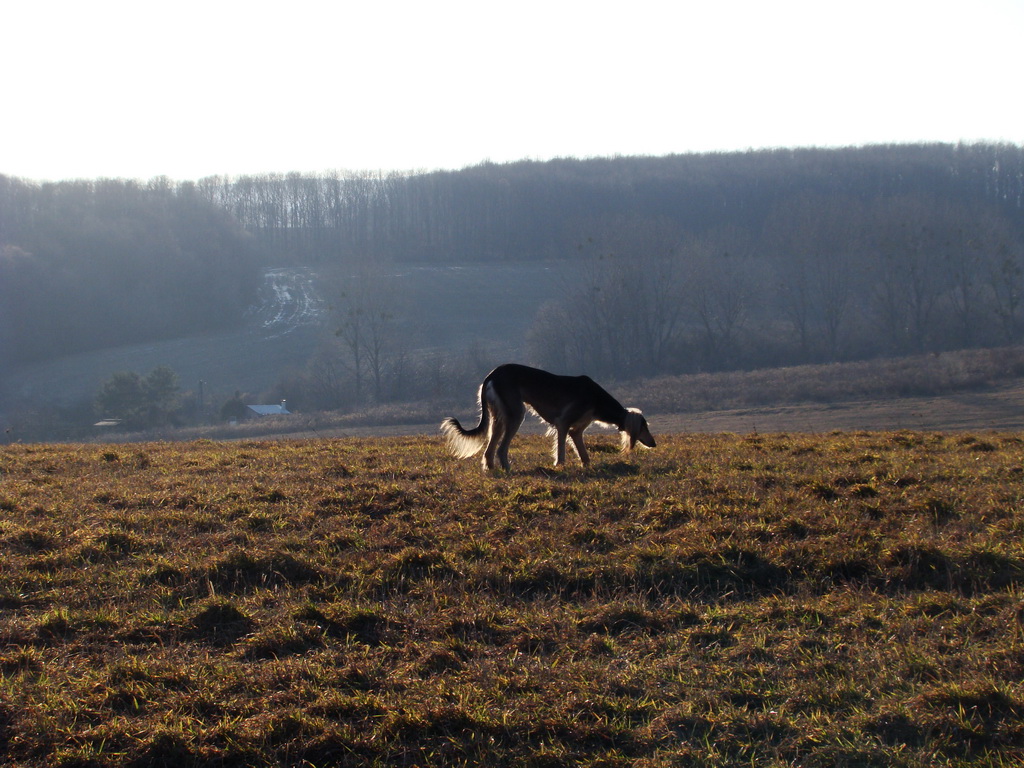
<point>269,410</point>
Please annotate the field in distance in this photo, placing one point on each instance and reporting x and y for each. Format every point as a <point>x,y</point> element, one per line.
<point>775,599</point>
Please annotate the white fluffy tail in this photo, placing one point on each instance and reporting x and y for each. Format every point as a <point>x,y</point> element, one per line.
<point>461,442</point>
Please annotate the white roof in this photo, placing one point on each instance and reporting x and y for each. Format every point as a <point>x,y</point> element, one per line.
<point>270,410</point>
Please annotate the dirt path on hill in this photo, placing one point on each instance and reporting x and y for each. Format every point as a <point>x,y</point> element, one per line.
<point>1001,411</point>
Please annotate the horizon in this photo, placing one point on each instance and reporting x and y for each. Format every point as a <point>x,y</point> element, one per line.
<point>118,90</point>
<point>343,173</point>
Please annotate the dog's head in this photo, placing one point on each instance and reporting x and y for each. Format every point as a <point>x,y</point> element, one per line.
<point>635,430</point>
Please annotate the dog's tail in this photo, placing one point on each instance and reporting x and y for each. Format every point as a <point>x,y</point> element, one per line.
<point>463,442</point>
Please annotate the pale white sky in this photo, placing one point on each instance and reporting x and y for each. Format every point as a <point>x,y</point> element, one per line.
<point>192,88</point>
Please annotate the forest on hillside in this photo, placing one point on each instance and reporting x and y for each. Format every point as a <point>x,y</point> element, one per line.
<point>542,210</point>
<point>685,263</point>
<point>92,264</point>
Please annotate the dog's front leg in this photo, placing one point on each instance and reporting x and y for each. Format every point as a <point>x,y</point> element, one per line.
<point>560,434</point>
<point>581,448</point>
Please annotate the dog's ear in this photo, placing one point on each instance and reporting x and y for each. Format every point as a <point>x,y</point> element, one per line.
<point>635,430</point>
<point>627,432</point>
<point>645,437</point>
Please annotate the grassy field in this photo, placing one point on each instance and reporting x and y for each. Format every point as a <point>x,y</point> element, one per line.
<point>851,599</point>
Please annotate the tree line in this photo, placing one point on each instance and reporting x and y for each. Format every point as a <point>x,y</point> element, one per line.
<point>539,210</point>
<point>90,264</point>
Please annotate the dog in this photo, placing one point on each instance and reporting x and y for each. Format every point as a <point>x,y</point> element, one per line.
<point>568,404</point>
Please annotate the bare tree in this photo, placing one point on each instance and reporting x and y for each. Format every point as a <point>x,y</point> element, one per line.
<point>721,293</point>
<point>816,241</point>
<point>622,309</point>
<point>365,317</point>
<point>325,377</point>
<point>978,247</point>
<point>1006,286</point>
<point>907,275</point>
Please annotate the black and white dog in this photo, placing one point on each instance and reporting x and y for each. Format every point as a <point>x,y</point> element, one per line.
<point>569,404</point>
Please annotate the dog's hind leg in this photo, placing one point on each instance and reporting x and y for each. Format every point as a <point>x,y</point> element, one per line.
<point>494,436</point>
<point>498,426</point>
<point>514,415</point>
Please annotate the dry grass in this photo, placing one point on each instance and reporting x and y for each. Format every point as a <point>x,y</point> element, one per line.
<point>969,370</point>
<point>850,599</point>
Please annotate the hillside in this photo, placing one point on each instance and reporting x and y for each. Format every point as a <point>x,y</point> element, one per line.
<point>87,265</point>
<point>399,289</point>
<point>439,311</point>
<point>279,330</point>
<point>850,599</point>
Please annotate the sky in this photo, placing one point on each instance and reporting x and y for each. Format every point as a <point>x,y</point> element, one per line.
<point>190,89</point>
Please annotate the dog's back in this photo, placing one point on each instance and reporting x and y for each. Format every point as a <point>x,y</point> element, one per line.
<point>554,397</point>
